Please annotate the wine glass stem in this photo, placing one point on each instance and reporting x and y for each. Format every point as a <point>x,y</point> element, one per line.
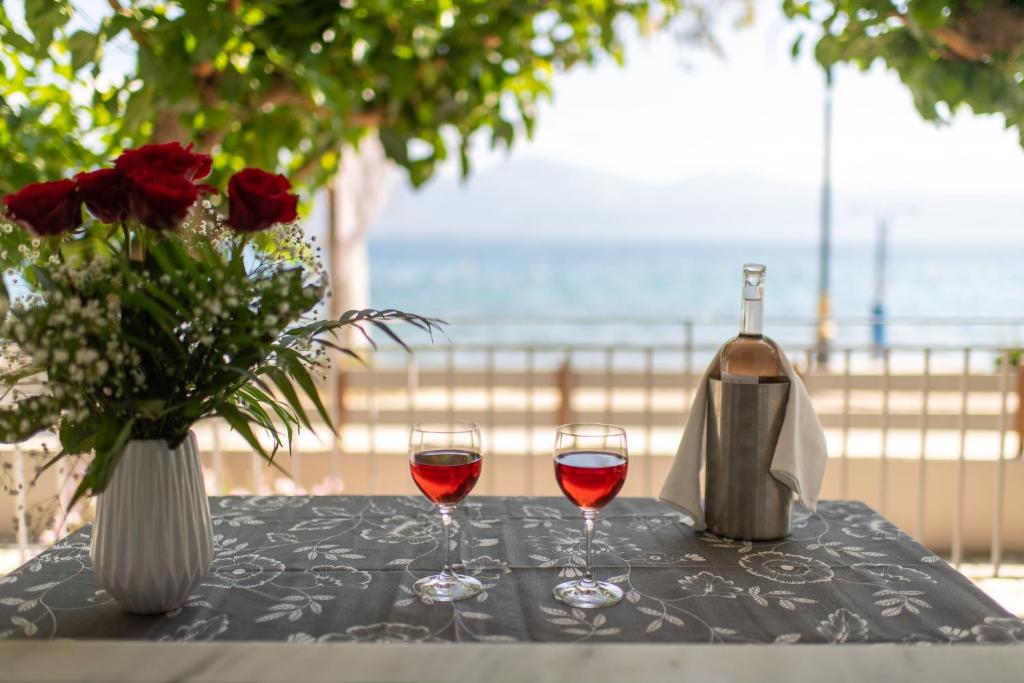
<point>446,521</point>
<point>588,530</point>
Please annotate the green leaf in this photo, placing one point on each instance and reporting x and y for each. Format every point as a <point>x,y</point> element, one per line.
<point>237,421</point>
<point>281,381</point>
<point>77,438</point>
<point>256,396</point>
<point>112,436</point>
<point>43,18</point>
<point>794,49</point>
<point>828,51</point>
<point>84,47</point>
<point>395,145</point>
<point>138,110</point>
<point>302,377</point>
<point>17,41</point>
<point>928,14</point>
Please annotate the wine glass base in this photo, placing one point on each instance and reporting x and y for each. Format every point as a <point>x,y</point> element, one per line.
<point>587,594</point>
<point>447,589</point>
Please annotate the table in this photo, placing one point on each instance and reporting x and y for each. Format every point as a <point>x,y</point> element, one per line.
<point>339,569</point>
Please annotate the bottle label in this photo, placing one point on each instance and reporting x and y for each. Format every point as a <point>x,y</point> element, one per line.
<point>739,379</point>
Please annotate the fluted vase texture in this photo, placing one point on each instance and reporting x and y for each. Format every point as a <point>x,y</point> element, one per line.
<point>152,541</point>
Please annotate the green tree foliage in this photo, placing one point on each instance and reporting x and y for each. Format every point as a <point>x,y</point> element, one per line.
<point>949,53</point>
<point>285,83</point>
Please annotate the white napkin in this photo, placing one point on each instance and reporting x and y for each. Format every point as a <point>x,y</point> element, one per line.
<point>800,453</point>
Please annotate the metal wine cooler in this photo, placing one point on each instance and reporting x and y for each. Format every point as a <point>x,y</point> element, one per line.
<point>742,500</point>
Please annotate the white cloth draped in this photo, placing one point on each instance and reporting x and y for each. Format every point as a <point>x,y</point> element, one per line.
<point>800,453</point>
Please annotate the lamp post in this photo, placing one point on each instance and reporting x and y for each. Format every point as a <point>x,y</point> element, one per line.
<point>878,308</point>
<point>824,327</point>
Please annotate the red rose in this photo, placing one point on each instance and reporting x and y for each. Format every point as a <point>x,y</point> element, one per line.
<point>105,194</point>
<point>158,180</point>
<point>158,199</point>
<point>169,157</point>
<point>46,208</point>
<point>258,199</point>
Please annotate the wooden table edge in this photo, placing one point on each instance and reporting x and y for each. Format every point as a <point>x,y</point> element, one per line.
<point>257,662</point>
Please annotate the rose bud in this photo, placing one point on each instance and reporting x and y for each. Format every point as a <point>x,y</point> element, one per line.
<point>105,194</point>
<point>169,157</point>
<point>158,199</point>
<point>258,200</point>
<point>46,208</point>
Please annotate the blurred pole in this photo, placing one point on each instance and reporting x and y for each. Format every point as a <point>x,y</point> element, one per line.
<point>824,329</point>
<point>878,309</point>
<point>357,195</point>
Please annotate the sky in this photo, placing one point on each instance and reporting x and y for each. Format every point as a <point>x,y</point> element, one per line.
<point>673,113</point>
<point>676,116</point>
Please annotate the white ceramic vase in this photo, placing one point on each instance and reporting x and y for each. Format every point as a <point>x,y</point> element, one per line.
<point>152,541</point>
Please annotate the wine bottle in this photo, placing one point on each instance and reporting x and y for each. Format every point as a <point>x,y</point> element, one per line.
<point>751,357</point>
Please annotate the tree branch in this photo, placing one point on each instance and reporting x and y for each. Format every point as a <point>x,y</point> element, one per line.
<point>283,92</point>
<point>308,167</point>
<point>167,127</point>
<point>119,9</point>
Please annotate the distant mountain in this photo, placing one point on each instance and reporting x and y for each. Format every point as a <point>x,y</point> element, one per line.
<point>534,198</point>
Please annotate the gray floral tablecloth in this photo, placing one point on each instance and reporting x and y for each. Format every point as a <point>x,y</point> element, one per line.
<point>311,569</point>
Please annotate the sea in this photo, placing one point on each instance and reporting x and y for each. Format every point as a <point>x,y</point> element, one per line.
<point>641,293</point>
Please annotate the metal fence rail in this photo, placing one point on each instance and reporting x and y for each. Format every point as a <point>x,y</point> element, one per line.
<point>929,408</point>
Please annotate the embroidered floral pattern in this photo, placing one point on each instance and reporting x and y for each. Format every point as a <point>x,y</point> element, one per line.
<point>786,567</point>
<point>345,577</point>
<point>707,584</point>
<point>843,626</point>
<point>894,573</point>
<point>388,633</point>
<point>244,571</point>
<point>341,569</point>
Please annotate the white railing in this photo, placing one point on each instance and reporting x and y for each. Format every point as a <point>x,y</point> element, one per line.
<point>921,433</point>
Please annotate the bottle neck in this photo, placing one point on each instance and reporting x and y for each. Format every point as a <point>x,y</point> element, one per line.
<point>752,317</point>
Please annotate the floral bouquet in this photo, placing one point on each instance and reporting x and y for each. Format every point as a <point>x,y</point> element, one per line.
<point>157,312</point>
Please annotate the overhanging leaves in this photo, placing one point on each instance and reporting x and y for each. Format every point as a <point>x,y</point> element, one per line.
<point>288,83</point>
<point>949,54</point>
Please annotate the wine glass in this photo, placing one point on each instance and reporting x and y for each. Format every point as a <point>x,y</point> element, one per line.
<point>590,465</point>
<point>445,463</point>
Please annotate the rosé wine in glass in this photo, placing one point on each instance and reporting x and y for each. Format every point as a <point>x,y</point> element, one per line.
<point>591,463</point>
<point>590,479</point>
<point>445,463</point>
<point>446,476</point>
